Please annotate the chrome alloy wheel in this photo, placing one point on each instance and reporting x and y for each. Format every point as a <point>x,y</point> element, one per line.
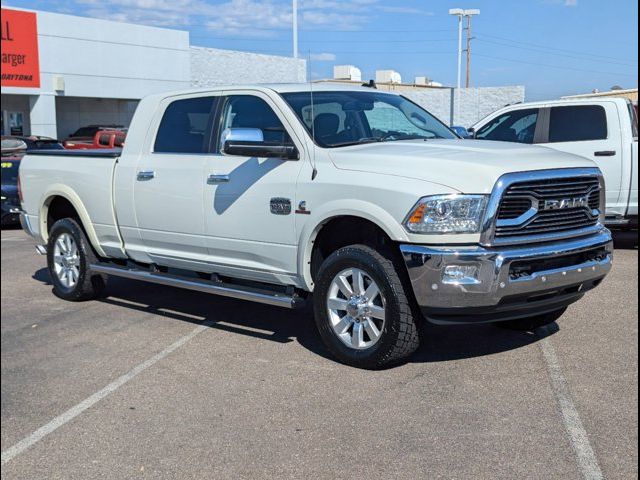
<point>356,308</point>
<point>66,261</point>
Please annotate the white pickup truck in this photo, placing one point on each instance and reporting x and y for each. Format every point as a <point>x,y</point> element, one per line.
<point>271,193</point>
<point>602,130</point>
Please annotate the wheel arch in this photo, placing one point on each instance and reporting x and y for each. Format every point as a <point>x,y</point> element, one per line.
<point>361,214</point>
<point>60,198</point>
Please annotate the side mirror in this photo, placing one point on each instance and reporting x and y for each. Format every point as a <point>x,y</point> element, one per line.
<point>461,131</point>
<point>249,142</point>
<point>471,132</point>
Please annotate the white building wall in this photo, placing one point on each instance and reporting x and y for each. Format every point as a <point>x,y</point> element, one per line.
<point>105,59</point>
<point>475,103</point>
<point>74,112</point>
<point>211,66</point>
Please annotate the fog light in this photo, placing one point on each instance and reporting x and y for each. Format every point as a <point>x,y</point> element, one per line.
<point>461,275</point>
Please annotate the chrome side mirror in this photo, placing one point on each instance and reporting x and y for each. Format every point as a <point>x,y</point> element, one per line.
<point>249,142</point>
<point>252,135</point>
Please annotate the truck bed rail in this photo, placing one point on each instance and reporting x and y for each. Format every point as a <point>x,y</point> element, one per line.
<point>106,153</point>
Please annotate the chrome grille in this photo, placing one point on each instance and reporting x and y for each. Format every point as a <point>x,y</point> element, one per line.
<point>523,210</point>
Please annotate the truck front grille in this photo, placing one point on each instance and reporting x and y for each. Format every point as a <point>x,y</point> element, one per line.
<point>556,205</point>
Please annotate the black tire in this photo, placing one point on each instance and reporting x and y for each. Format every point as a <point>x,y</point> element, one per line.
<point>88,286</point>
<point>399,334</point>
<point>529,324</point>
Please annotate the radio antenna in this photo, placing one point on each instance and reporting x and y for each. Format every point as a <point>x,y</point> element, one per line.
<point>314,172</point>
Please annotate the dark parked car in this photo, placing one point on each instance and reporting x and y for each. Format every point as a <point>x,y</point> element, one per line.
<point>10,198</point>
<point>33,142</point>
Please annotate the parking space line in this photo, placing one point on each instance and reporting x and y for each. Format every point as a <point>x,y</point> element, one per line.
<point>585,455</point>
<point>76,410</point>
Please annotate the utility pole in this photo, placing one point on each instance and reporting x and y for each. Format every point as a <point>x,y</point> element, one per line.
<point>295,28</point>
<point>461,13</point>
<point>469,38</point>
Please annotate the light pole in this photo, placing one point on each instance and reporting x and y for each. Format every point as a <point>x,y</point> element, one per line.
<point>295,28</point>
<point>461,13</point>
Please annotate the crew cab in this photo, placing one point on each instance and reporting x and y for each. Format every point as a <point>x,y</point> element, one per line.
<point>357,200</point>
<point>605,131</point>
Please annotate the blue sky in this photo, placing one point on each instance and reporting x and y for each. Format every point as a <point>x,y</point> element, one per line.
<point>553,47</point>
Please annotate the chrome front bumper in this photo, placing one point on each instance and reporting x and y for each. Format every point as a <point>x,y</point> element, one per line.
<point>509,282</point>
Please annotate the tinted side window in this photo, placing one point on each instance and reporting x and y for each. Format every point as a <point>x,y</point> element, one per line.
<point>516,126</point>
<point>247,111</point>
<point>185,126</point>
<point>577,123</point>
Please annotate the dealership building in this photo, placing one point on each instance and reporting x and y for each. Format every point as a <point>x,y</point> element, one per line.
<point>61,72</point>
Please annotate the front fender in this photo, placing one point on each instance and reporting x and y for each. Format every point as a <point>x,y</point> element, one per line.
<point>340,208</point>
<point>61,190</point>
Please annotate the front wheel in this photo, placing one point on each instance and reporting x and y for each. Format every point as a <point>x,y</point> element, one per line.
<point>69,256</point>
<point>361,309</point>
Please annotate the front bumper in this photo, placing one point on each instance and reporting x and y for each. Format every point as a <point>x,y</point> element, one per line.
<point>509,282</point>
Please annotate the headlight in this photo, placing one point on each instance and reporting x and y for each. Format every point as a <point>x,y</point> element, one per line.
<point>447,214</point>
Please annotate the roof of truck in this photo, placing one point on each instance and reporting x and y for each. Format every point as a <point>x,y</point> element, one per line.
<point>278,87</point>
<point>566,101</point>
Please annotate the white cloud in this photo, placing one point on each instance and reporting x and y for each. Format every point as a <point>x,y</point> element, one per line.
<point>246,18</point>
<point>323,57</point>
<point>565,3</point>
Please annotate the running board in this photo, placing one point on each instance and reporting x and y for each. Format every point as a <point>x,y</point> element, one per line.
<point>216,288</point>
<point>616,222</point>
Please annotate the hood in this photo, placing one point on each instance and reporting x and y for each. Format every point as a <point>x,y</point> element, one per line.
<point>468,166</point>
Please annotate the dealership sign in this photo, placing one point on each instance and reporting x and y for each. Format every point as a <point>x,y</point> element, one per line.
<point>20,63</point>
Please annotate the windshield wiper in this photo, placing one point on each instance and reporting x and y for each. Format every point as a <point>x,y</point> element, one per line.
<point>358,142</point>
<point>407,137</point>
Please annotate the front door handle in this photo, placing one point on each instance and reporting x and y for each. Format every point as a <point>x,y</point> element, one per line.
<point>215,179</point>
<point>605,153</point>
<point>146,175</point>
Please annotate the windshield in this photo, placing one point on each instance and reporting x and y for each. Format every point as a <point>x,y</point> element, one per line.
<point>9,171</point>
<point>349,118</point>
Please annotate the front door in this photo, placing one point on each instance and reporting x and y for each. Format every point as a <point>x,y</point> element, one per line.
<point>170,183</point>
<point>250,203</point>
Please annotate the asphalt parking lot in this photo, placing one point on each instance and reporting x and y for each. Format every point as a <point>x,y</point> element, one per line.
<point>154,382</point>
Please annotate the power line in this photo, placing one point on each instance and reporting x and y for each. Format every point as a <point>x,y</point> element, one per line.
<point>547,47</point>
<point>554,66</point>
<point>540,50</point>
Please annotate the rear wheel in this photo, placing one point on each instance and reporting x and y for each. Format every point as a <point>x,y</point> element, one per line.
<point>361,309</point>
<point>531,323</point>
<point>69,256</point>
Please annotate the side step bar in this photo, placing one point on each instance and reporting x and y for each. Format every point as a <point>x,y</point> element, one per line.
<point>216,288</point>
<point>616,222</point>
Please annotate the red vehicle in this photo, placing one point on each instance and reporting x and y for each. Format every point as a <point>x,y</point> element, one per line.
<point>101,140</point>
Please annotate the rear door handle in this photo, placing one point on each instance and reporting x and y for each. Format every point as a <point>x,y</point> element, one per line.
<point>605,153</point>
<point>215,179</point>
<point>146,175</point>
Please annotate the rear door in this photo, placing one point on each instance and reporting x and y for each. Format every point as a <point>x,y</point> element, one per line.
<point>593,132</point>
<point>169,183</point>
